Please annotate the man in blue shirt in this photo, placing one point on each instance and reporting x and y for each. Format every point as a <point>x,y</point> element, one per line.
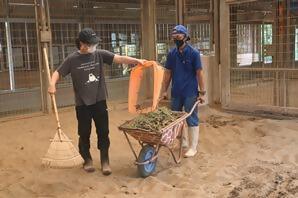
<point>184,69</point>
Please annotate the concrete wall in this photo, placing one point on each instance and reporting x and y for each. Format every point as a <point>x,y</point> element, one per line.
<point>26,101</point>
<point>21,101</point>
<point>210,74</point>
<point>117,91</point>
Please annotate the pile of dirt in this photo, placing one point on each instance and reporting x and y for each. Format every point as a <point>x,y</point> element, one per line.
<point>217,121</point>
<point>268,180</point>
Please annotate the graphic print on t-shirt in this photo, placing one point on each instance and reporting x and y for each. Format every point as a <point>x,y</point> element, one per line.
<point>92,78</point>
<point>89,69</point>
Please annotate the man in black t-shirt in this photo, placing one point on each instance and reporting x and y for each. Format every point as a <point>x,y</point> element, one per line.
<point>86,69</point>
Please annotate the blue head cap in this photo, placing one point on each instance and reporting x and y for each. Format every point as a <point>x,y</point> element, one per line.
<point>180,29</point>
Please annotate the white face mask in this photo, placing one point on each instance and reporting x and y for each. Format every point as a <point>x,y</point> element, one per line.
<point>92,48</point>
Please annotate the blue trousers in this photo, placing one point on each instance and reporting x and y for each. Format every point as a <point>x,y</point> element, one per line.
<point>177,104</point>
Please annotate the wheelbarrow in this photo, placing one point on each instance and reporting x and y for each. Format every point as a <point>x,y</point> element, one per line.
<point>152,141</point>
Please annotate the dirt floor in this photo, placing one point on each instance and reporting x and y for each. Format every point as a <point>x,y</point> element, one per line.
<point>239,156</point>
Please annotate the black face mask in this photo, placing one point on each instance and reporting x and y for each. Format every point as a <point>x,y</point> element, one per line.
<point>178,43</point>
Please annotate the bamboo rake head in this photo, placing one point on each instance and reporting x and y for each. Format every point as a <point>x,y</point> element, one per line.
<point>62,153</point>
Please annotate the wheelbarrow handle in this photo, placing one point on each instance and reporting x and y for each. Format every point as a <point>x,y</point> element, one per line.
<point>191,111</point>
<point>193,108</point>
<point>182,118</point>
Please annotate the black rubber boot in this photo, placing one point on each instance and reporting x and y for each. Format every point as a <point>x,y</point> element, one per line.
<point>105,163</point>
<point>88,166</point>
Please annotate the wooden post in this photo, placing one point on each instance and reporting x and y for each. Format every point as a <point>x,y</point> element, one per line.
<point>44,40</point>
<point>148,29</point>
<point>180,12</point>
<point>290,50</point>
<point>275,59</point>
<point>282,46</point>
<point>148,18</point>
<point>39,55</point>
<point>225,53</point>
<point>215,96</point>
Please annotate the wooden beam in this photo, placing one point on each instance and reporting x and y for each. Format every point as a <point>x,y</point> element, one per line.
<point>148,18</point>
<point>225,58</point>
<point>148,29</point>
<point>215,97</point>
<point>42,24</point>
<point>239,1</point>
<point>255,17</point>
<point>196,19</point>
<point>180,12</point>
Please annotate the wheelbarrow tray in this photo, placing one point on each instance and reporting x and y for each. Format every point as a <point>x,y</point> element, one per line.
<point>164,137</point>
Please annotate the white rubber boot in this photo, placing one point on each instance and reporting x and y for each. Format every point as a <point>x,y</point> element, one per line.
<point>185,140</point>
<point>194,139</point>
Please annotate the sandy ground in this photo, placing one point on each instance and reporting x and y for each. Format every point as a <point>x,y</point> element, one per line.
<point>239,156</point>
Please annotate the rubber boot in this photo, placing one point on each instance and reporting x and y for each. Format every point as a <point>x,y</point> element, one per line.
<point>105,163</point>
<point>84,146</point>
<point>185,140</point>
<point>88,166</point>
<point>194,139</point>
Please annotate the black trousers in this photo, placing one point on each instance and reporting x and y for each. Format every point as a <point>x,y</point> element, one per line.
<point>98,112</point>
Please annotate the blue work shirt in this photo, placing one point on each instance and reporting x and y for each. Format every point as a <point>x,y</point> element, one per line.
<point>184,68</point>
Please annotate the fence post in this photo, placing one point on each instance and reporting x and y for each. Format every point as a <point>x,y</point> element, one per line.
<point>180,19</point>
<point>44,40</point>
<point>225,58</point>
<point>148,17</point>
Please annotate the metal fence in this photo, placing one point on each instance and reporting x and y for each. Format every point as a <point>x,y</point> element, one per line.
<point>198,16</point>
<point>263,49</point>
<point>120,34</point>
<point>199,20</point>
<point>165,22</point>
<point>118,23</point>
<point>19,69</point>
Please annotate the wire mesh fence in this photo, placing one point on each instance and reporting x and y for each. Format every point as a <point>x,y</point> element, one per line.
<point>19,68</point>
<point>118,23</point>
<point>198,18</point>
<point>165,22</point>
<point>120,34</point>
<point>164,42</point>
<point>263,48</point>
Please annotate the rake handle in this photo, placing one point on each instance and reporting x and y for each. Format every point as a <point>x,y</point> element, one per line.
<point>53,98</point>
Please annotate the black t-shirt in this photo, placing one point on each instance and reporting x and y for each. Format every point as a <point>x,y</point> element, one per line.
<point>87,75</point>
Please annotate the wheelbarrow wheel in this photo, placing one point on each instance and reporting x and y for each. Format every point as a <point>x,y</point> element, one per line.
<point>146,154</point>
